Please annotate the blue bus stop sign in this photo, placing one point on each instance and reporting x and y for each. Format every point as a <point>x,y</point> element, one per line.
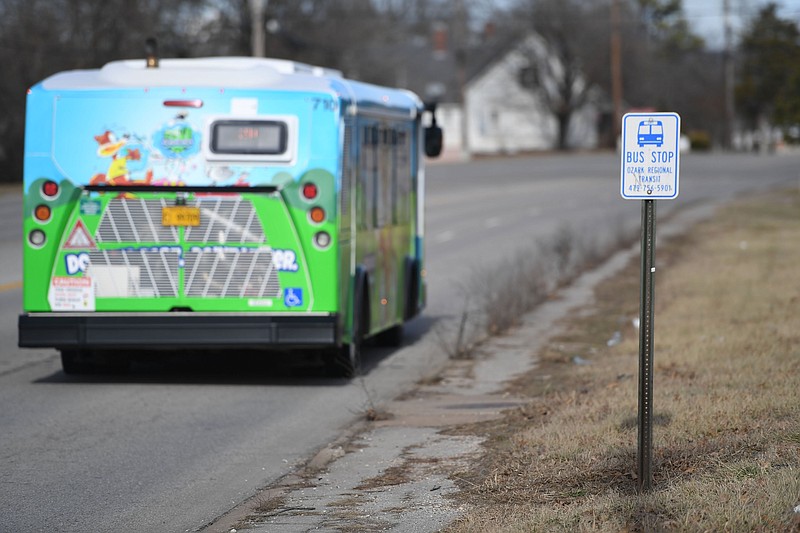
<point>650,156</point>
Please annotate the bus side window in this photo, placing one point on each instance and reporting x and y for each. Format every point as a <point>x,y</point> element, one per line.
<point>384,188</point>
<point>403,177</point>
<point>364,215</point>
<point>375,177</point>
<point>395,197</point>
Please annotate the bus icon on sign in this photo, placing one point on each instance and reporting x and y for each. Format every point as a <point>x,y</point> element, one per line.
<point>650,132</point>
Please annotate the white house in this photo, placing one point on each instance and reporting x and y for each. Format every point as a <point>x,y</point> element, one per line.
<point>506,111</point>
<point>491,99</point>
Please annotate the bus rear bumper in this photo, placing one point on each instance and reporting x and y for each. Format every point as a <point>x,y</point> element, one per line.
<point>176,330</point>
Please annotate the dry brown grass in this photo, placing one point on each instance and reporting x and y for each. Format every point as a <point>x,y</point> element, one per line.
<point>726,397</point>
<point>497,297</point>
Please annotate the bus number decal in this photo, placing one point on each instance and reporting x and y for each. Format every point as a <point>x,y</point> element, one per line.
<point>323,104</point>
<point>285,261</point>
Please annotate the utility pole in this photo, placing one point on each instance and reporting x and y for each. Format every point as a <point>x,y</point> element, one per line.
<point>616,69</point>
<point>258,36</point>
<point>728,73</point>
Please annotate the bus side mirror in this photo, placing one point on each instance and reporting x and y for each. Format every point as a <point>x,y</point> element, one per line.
<point>433,140</point>
<point>433,134</point>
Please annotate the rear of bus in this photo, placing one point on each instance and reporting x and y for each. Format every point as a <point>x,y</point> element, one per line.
<point>160,215</point>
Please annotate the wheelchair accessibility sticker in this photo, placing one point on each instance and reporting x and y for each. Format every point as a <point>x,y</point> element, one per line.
<point>293,297</point>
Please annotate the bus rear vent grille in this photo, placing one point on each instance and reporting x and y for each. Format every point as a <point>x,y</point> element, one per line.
<point>134,273</point>
<point>213,266</point>
<point>231,274</point>
<point>138,220</point>
<point>226,220</point>
<point>135,220</point>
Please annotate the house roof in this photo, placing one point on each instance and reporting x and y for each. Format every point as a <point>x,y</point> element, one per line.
<point>438,75</point>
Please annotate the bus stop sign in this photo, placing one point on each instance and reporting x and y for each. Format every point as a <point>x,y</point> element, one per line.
<point>650,156</point>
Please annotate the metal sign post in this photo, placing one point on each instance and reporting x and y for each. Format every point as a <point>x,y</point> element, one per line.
<point>650,169</point>
<point>646,345</point>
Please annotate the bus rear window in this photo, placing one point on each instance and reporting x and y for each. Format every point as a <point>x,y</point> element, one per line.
<point>251,137</point>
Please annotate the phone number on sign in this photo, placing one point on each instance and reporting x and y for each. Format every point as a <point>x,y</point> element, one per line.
<point>650,188</point>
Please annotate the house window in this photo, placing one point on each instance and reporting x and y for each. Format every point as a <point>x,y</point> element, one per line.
<point>528,77</point>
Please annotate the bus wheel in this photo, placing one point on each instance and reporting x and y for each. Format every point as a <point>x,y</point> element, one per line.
<point>391,338</point>
<point>346,361</point>
<point>411,307</point>
<point>75,361</point>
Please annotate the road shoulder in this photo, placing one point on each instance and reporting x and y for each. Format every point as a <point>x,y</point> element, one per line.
<point>399,469</point>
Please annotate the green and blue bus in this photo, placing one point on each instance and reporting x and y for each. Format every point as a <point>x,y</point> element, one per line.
<point>220,203</point>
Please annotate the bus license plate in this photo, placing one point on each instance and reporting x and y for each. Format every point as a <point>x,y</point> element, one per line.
<point>180,216</point>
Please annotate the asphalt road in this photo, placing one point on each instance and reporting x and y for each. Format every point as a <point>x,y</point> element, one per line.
<point>177,443</point>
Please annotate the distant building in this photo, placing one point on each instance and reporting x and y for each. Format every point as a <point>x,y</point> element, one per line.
<point>489,94</point>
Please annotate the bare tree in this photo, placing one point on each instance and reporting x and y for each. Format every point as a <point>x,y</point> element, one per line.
<point>559,78</point>
<point>664,65</point>
<point>41,37</point>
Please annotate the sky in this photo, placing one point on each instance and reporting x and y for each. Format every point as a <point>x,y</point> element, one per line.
<point>707,19</point>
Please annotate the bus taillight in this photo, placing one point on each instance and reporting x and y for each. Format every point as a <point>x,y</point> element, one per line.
<point>50,189</point>
<point>42,213</point>
<point>310,191</point>
<point>322,239</point>
<point>36,238</point>
<point>317,215</point>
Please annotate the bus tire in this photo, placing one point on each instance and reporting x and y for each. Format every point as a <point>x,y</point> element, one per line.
<point>75,361</point>
<point>346,360</point>
<point>391,338</point>
<point>412,275</point>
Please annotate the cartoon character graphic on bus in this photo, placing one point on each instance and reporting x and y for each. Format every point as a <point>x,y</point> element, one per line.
<point>177,140</point>
<point>126,158</point>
